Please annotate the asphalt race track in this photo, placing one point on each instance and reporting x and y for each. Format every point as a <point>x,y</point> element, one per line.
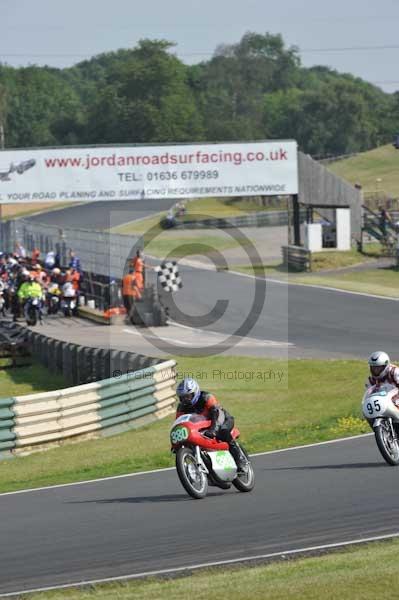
<point>315,496</point>
<point>103,215</point>
<point>318,323</point>
<point>307,497</point>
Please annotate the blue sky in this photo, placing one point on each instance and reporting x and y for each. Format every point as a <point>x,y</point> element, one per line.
<point>347,35</point>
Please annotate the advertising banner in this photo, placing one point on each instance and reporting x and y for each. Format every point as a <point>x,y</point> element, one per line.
<point>266,168</point>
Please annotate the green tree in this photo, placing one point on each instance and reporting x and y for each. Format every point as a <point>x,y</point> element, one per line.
<point>42,110</point>
<point>235,81</point>
<point>3,114</point>
<point>147,98</point>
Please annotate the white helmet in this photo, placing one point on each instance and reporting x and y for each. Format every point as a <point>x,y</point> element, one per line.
<point>379,364</point>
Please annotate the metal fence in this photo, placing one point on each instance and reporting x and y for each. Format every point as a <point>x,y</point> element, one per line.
<point>258,219</point>
<point>100,252</point>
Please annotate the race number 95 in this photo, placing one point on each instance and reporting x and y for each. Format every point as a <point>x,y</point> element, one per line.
<point>373,407</point>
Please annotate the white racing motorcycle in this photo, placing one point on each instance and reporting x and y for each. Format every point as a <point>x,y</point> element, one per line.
<point>380,410</point>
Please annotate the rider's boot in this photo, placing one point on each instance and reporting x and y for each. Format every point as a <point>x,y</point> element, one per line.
<point>238,456</point>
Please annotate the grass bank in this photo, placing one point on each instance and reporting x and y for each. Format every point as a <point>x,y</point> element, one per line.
<point>332,259</point>
<point>321,261</point>
<point>348,575</point>
<point>270,414</point>
<point>381,282</point>
<point>27,380</point>
<point>188,243</point>
<point>367,167</point>
<point>12,211</point>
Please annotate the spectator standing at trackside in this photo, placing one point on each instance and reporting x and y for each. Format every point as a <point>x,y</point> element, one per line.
<point>57,256</point>
<point>75,279</point>
<point>396,227</point>
<point>20,251</point>
<point>139,268</point>
<point>74,261</point>
<point>35,255</point>
<point>384,220</point>
<point>49,261</point>
<point>130,292</point>
<point>137,262</point>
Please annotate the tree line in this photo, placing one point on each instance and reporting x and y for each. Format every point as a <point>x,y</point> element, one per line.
<point>255,89</point>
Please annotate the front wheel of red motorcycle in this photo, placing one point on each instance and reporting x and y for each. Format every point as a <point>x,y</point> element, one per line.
<point>194,481</point>
<point>245,481</point>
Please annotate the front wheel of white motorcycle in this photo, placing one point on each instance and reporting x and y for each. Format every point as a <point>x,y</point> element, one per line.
<point>192,478</point>
<point>387,444</point>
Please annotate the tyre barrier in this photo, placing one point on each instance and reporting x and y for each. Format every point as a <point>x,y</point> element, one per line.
<point>36,422</point>
<point>7,435</point>
<point>79,364</point>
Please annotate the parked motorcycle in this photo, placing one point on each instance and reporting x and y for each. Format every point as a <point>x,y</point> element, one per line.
<point>201,461</point>
<point>380,408</point>
<point>53,299</point>
<point>33,312</point>
<point>69,305</point>
<point>2,300</point>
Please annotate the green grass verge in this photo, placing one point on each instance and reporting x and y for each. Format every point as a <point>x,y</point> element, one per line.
<point>13,211</point>
<point>27,380</point>
<point>361,573</point>
<point>187,243</point>
<point>382,282</point>
<point>365,168</point>
<point>327,260</point>
<point>332,259</point>
<point>269,413</point>
<point>140,227</point>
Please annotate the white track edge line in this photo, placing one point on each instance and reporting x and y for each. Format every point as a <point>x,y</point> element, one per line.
<point>288,283</point>
<point>188,568</point>
<point>251,339</point>
<point>152,471</point>
<point>318,287</point>
<point>112,229</point>
<point>261,343</point>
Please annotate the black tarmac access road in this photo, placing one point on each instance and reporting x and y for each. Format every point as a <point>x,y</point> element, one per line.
<point>305,497</point>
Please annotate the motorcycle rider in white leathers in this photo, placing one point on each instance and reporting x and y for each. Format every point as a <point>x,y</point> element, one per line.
<point>382,370</point>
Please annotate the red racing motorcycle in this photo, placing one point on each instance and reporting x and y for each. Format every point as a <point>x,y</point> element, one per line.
<point>202,461</point>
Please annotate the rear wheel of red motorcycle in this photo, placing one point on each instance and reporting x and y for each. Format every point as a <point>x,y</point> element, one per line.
<point>194,481</point>
<point>244,482</point>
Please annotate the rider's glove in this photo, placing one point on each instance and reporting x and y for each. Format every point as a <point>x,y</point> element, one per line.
<point>210,433</point>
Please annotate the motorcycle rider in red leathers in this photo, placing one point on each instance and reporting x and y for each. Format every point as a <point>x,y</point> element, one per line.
<point>193,400</point>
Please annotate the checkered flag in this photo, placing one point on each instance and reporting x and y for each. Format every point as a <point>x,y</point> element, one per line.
<point>168,276</point>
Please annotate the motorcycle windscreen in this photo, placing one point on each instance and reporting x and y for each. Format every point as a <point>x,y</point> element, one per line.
<point>223,465</point>
<point>192,417</point>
